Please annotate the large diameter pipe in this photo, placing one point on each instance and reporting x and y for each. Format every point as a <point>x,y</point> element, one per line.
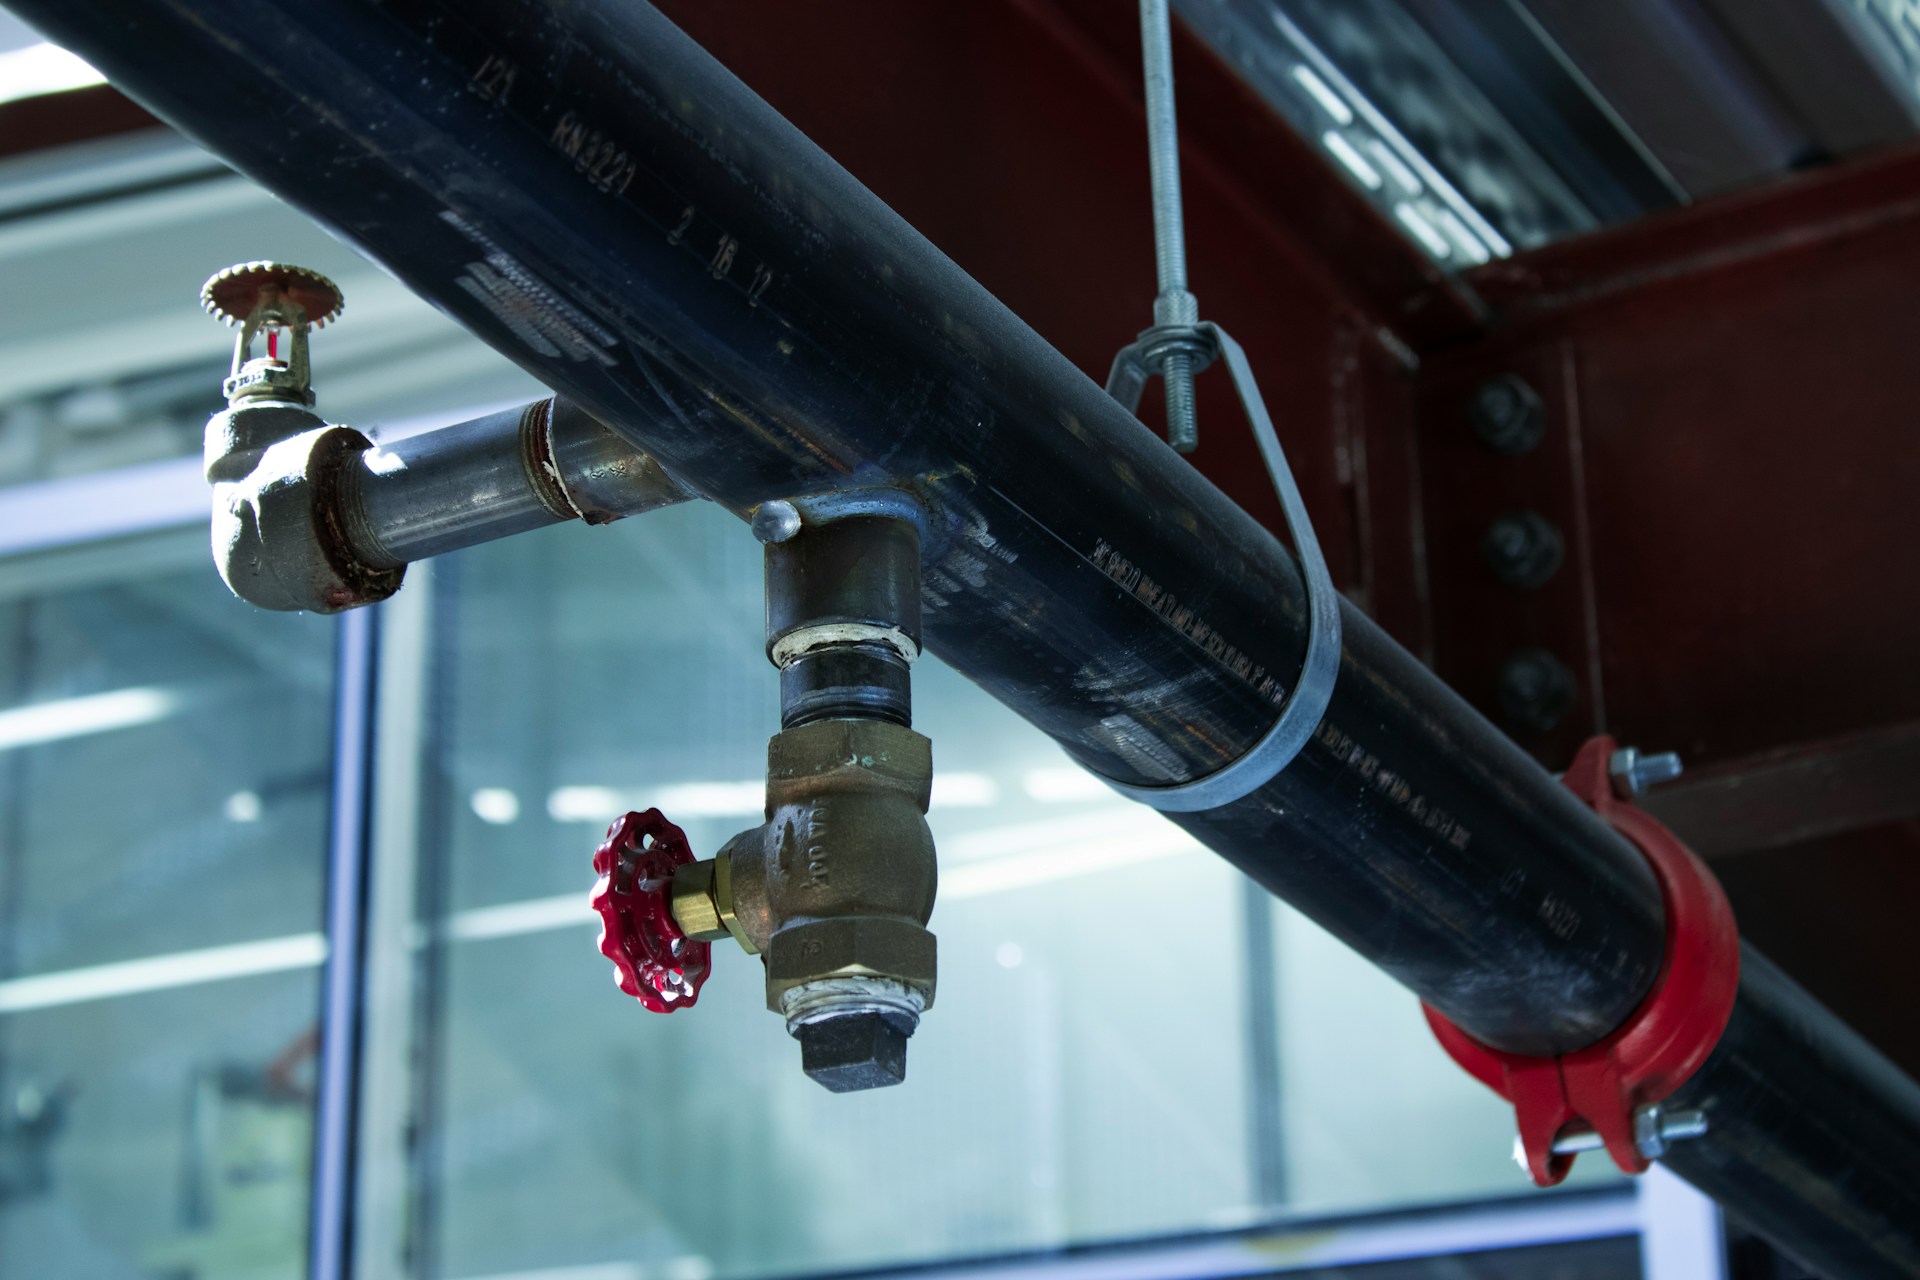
<point>601,201</point>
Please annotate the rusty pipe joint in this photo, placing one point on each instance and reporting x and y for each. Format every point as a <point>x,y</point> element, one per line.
<point>311,516</point>
<point>277,471</point>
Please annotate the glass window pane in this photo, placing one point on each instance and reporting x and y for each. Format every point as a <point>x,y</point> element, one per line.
<point>1615,1259</point>
<point>1373,1112</point>
<point>163,816</point>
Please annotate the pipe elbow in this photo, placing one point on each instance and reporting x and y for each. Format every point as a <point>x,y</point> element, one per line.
<point>277,471</point>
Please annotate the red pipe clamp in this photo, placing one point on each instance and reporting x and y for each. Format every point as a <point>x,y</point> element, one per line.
<point>1662,1043</point>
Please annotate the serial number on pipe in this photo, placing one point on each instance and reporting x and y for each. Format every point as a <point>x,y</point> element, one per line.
<point>1353,756</point>
<point>604,162</point>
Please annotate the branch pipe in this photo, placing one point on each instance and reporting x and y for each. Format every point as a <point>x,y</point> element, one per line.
<point>310,515</point>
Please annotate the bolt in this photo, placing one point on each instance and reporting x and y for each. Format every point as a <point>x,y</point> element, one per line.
<point>1176,373</point>
<point>1507,415</point>
<point>1535,690</point>
<point>775,521</point>
<point>854,1051</point>
<point>1655,1130</point>
<point>1633,773</point>
<point>1523,549</point>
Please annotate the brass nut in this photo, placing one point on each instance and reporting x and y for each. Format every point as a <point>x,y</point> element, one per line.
<point>723,901</point>
<point>869,946</point>
<point>695,906</point>
<point>848,755</point>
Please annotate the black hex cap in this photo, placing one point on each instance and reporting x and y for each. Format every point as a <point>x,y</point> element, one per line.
<point>853,1052</point>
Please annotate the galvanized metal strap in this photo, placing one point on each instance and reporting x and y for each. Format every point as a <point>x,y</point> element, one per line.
<point>1302,708</point>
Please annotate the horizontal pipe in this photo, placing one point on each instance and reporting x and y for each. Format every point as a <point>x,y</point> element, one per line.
<point>496,475</point>
<point>658,245</point>
<point>443,490</point>
<point>597,198</point>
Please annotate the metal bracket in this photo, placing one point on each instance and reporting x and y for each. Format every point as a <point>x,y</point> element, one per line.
<point>1300,713</point>
<point>1147,354</point>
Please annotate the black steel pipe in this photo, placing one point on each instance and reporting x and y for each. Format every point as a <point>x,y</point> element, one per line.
<point>1812,1137</point>
<point>600,200</point>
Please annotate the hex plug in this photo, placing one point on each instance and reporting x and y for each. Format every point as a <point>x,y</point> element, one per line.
<point>855,1051</point>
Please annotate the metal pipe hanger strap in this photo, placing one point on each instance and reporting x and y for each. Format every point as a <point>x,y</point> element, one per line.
<point>599,199</point>
<point>1302,708</point>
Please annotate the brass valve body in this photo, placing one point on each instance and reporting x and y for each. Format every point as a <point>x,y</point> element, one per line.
<point>839,881</point>
<point>834,890</point>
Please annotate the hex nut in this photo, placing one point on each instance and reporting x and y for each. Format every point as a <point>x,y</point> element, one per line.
<point>1535,690</point>
<point>848,755</point>
<point>1507,415</point>
<point>849,946</point>
<point>695,903</point>
<point>269,381</point>
<point>1523,549</point>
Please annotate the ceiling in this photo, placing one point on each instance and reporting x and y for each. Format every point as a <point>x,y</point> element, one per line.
<point>1484,127</point>
<point>1481,128</point>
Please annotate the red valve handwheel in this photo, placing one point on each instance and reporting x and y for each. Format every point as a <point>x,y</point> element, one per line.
<point>653,961</point>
